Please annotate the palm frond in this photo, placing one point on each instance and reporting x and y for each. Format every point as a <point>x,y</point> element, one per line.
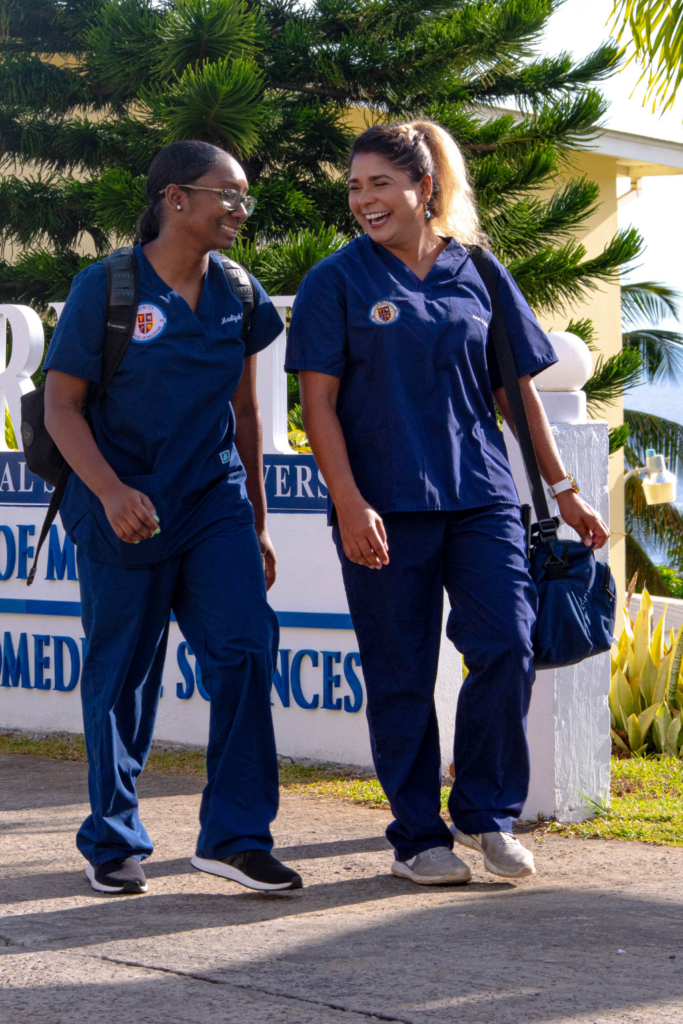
<point>661,352</point>
<point>658,526</point>
<point>648,301</point>
<point>637,560</point>
<point>648,431</point>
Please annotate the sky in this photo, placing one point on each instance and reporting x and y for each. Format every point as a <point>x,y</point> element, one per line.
<point>580,26</point>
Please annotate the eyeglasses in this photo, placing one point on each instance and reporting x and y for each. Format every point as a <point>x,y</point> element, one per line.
<point>231,199</point>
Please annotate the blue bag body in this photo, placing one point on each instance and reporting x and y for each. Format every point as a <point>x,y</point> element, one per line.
<point>576,595</point>
<point>577,602</point>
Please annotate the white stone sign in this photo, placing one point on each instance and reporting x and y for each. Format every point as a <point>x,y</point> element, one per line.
<point>318,692</point>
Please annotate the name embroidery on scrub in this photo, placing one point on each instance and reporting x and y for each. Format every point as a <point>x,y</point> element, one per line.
<point>480,319</point>
<point>384,312</point>
<point>231,319</point>
<point>150,322</point>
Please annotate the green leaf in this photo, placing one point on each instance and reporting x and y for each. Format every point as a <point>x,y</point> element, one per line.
<point>612,377</point>
<point>635,736</point>
<point>618,437</point>
<point>649,302</point>
<point>218,103</point>
<point>197,32</point>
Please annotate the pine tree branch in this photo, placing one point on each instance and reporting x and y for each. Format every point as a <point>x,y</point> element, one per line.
<point>611,378</point>
<point>29,82</point>
<point>554,278</point>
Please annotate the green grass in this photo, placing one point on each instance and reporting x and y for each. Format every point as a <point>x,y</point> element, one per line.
<point>646,801</point>
<point>646,804</point>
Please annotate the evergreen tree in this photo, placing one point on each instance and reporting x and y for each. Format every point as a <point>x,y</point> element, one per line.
<point>91,89</point>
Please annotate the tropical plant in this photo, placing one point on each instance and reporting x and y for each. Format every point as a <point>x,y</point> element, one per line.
<point>646,691</point>
<point>656,28</point>
<point>650,528</point>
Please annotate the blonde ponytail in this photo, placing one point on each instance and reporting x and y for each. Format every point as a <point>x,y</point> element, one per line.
<point>454,207</point>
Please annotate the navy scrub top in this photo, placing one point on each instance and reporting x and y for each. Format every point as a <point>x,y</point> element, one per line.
<point>165,424</point>
<point>416,394</point>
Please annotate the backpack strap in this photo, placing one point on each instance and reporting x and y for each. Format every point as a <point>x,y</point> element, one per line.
<point>498,334</point>
<point>123,289</point>
<point>242,284</point>
<point>123,293</point>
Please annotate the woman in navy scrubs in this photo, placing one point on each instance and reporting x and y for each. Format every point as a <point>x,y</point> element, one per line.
<point>389,337</point>
<point>167,507</point>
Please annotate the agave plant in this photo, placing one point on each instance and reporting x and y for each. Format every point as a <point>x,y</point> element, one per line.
<point>646,692</point>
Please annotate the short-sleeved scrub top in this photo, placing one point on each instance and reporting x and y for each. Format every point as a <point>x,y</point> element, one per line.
<point>165,424</point>
<point>417,375</point>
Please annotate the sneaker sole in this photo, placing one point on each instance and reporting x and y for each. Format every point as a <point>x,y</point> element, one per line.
<point>402,870</point>
<point>127,889</point>
<point>218,867</point>
<point>472,844</point>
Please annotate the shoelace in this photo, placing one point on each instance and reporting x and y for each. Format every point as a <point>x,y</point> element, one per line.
<point>508,839</point>
<point>439,852</point>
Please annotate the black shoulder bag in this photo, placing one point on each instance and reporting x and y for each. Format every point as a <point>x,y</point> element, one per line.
<point>43,457</point>
<point>576,595</point>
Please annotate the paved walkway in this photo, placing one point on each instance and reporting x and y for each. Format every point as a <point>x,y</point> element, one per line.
<point>356,944</point>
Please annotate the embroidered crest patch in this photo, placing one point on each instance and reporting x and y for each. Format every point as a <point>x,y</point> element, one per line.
<point>384,312</point>
<point>150,322</point>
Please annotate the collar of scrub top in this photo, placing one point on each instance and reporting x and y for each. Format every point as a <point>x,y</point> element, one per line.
<point>453,253</point>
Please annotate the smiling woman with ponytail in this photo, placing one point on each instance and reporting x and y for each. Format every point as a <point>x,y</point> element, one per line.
<point>390,339</point>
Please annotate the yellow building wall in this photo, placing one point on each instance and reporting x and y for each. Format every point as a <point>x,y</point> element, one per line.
<point>603,307</point>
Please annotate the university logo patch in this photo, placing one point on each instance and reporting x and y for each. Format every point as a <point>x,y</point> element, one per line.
<point>150,322</point>
<point>384,312</point>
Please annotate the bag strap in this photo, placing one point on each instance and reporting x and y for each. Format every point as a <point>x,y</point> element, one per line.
<point>50,516</point>
<point>123,290</point>
<point>242,284</point>
<point>498,333</point>
<point>123,293</point>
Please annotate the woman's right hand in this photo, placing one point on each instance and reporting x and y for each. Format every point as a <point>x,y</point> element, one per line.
<point>130,513</point>
<point>363,535</point>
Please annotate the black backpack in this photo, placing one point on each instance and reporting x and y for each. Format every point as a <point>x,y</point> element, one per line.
<point>43,457</point>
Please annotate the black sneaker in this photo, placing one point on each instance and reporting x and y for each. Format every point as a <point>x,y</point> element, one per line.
<point>123,875</point>
<point>257,869</point>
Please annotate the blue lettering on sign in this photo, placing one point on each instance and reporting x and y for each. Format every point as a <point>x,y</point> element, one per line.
<point>294,484</point>
<point>16,668</point>
<point>18,554</point>
<point>18,485</point>
<point>60,559</point>
<point>57,663</point>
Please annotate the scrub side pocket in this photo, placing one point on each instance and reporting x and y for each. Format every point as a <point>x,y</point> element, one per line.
<point>102,544</point>
<point>370,456</point>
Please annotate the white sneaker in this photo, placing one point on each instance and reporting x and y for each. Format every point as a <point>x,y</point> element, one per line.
<point>503,854</point>
<point>438,866</point>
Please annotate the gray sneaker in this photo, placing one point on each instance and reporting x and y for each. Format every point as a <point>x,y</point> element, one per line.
<point>438,866</point>
<point>503,854</point>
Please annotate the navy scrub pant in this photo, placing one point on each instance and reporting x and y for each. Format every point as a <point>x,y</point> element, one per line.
<point>479,557</point>
<point>217,591</point>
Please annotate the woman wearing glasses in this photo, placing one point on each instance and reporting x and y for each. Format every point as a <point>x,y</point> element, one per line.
<point>167,507</point>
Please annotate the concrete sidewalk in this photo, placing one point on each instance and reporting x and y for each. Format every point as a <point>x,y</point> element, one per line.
<point>356,944</point>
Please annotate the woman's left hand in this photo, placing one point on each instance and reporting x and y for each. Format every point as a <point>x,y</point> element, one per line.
<point>269,558</point>
<point>582,518</point>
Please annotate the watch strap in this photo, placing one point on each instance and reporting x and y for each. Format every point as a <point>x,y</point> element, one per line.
<point>563,485</point>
